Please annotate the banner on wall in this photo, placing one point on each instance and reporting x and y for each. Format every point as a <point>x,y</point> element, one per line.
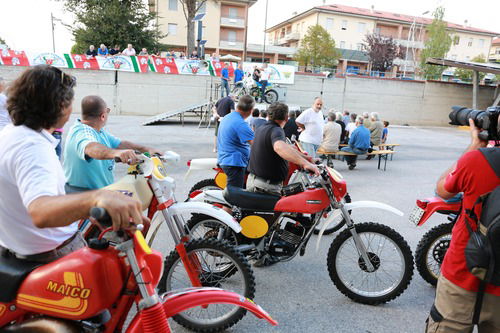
<point>284,74</point>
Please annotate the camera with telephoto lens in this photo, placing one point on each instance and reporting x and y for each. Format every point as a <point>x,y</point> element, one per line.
<point>486,121</point>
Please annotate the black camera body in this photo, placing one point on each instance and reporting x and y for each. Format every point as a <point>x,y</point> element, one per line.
<point>486,120</point>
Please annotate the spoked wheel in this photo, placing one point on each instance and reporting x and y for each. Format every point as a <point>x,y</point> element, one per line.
<point>431,250</point>
<point>389,254</point>
<point>203,226</point>
<point>335,225</point>
<point>271,96</point>
<point>220,266</point>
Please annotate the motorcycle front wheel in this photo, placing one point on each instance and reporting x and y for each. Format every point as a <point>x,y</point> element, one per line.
<point>220,266</point>
<point>271,96</point>
<point>430,252</point>
<point>389,254</point>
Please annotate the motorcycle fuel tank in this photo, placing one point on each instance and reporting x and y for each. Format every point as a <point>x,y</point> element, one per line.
<point>308,202</point>
<point>77,286</point>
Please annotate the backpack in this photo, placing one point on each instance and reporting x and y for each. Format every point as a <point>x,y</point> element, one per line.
<point>482,253</point>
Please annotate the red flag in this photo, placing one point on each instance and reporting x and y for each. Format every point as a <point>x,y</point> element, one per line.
<point>83,61</point>
<point>164,65</point>
<point>14,58</point>
<point>143,63</point>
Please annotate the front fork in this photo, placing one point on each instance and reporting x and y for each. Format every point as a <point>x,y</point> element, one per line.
<point>360,246</point>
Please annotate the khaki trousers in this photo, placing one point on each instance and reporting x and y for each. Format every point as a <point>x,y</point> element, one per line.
<point>454,307</point>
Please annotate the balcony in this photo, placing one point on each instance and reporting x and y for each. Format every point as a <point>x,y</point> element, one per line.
<point>410,44</point>
<point>233,22</point>
<point>291,37</point>
<point>231,45</point>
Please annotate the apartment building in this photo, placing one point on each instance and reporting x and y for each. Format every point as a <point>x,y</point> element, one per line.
<point>494,55</point>
<point>224,28</point>
<point>349,25</point>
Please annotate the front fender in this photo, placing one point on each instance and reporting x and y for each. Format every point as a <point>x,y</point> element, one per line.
<point>356,205</point>
<point>206,209</point>
<point>178,301</point>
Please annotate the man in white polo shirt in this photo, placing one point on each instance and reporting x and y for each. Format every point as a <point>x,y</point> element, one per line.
<point>37,219</point>
<point>311,121</point>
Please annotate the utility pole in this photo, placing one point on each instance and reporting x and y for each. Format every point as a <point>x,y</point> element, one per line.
<point>53,39</point>
<point>265,28</point>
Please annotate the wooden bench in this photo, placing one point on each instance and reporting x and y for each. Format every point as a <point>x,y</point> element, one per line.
<point>382,146</point>
<point>382,154</point>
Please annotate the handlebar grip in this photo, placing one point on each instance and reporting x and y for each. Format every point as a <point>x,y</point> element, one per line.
<point>117,159</point>
<point>101,215</point>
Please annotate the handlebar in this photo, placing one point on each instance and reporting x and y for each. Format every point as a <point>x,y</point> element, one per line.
<point>102,216</point>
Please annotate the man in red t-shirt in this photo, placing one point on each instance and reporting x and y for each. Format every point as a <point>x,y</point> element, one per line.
<point>456,290</point>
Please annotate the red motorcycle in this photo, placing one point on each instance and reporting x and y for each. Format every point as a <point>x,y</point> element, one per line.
<point>94,288</point>
<point>432,248</point>
<point>368,262</point>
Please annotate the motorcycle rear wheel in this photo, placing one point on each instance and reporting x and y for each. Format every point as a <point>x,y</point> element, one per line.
<point>205,184</point>
<point>212,255</point>
<point>375,287</point>
<point>204,226</point>
<point>430,252</point>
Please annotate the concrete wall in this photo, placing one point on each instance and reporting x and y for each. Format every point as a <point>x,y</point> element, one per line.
<point>400,102</point>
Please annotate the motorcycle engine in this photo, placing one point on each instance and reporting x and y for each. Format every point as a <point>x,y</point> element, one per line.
<point>284,241</point>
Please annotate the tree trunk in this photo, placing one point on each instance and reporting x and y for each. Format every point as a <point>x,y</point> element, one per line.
<point>190,36</point>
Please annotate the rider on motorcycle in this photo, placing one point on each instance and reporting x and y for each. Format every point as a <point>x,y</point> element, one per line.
<point>37,219</point>
<point>269,155</point>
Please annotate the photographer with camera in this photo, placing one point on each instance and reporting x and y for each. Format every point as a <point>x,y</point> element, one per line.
<point>462,299</point>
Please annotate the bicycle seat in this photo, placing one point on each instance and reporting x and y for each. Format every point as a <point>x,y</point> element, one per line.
<point>249,200</point>
<point>13,271</point>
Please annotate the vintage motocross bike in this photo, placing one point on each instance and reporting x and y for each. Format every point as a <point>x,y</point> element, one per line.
<point>219,181</point>
<point>368,262</point>
<point>94,288</point>
<point>432,248</point>
<point>194,262</point>
<point>253,88</point>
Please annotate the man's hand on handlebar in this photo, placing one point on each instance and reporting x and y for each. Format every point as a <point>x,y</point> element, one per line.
<point>125,212</point>
<point>311,168</point>
<point>126,156</point>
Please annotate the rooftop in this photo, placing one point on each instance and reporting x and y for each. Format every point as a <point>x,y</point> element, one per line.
<point>382,15</point>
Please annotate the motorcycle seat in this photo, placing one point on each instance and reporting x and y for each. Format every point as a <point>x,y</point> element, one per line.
<point>13,271</point>
<point>249,200</point>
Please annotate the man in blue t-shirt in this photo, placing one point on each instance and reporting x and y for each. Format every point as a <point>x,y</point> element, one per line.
<point>359,143</point>
<point>224,81</point>
<point>234,140</point>
<point>90,150</point>
<point>238,76</point>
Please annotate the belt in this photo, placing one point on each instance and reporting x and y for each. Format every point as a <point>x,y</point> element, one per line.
<point>271,182</point>
<point>43,255</point>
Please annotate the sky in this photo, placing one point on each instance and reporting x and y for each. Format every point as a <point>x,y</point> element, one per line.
<point>26,24</point>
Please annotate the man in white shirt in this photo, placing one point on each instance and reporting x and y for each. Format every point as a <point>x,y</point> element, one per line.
<point>265,74</point>
<point>37,220</point>
<point>311,121</point>
<point>4,114</point>
<point>129,51</point>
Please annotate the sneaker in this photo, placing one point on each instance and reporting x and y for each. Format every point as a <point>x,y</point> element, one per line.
<point>266,260</point>
<point>352,166</point>
<point>369,157</point>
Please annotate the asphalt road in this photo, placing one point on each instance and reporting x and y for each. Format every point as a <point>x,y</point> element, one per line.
<point>299,294</point>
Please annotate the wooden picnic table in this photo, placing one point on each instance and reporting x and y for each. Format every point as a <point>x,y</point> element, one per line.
<point>382,154</point>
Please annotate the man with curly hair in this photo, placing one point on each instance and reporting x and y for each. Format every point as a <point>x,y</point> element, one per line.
<point>37,218</point>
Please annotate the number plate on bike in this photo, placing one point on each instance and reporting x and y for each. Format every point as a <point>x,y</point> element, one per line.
<point>416,215</point>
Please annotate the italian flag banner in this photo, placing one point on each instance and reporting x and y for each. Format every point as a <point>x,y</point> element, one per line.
<point>81,61</point>
<point>14,58</point>
<point>137,64</point>
<point>163,65</point>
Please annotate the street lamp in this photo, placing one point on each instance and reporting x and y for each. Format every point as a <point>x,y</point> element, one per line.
<point>265,28</point>
<point>52,19</point>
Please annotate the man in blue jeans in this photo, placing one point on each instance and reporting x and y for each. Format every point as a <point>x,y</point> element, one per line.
<point>224,80</point>
<point>234,140</point>
<point>359,143</point>
<point>238,76</point>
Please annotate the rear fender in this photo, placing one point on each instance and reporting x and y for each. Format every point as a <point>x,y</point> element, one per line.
<point>436,204</point>
<point>201,164</point>
<point>178,301</point>
<point>355,205</point>
<point>212,196</point>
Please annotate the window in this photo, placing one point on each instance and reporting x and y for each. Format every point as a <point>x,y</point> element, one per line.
<point>481,43</point>
<point>359,46</point>
<point>233,12</point>
<point>456,40</point>
<point>344,25</point>
<point>231,36</point>
<point>361,27</point>
<point>342,44</point>
<point>172,4</point>
<point>454,57</point>
<point>172,29</point>
<point>469,44</point>
<point>203,9</point>
<point>329,24</point>
<point>377,31</point>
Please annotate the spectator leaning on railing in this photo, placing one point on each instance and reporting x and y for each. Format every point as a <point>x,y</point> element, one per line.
<point>102,50</point>
<point>91,51</point>
<point>129,51</point>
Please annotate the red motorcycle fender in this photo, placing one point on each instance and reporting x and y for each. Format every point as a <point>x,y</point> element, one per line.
<point>176,302</point>
<point>436,204</point>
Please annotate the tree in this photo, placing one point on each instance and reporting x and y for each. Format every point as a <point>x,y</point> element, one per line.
<point>113,22</point>
<point>190,8</point>
<point>436,46</point>
<point>382,51</point>
<point>317,49</point>
<point>466,74</point>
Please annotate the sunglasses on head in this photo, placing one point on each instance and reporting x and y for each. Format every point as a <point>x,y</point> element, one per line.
<point>67,80</point>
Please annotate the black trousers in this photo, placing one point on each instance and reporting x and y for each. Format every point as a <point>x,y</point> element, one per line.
<point>235,175</point>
